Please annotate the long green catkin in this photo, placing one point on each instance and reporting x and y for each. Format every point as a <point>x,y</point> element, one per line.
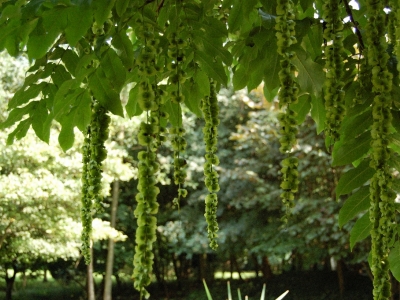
<point>285,33</point>
<point>382,214</point>
<point>209,107</point>
<point>93,152</point>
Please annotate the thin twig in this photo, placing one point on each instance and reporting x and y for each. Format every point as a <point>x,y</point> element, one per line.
<point>355,24</point>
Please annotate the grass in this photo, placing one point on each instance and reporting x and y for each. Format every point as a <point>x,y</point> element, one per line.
<point>36,289</point>
<point>316,285</point>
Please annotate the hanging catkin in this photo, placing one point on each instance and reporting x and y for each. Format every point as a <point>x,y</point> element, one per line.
<point>382,195</point>
<point>333,86</point>
<point>93,152</point>
<point>285,33</point>
<point>149,137</point>
<point>209,107</point>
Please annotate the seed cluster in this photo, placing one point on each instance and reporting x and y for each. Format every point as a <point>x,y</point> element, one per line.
<point>333,86</point>
<point>285,33</point>
<point>382,196</point>
<point>151,135</point>
<point>177,78</point>
<point>394,28</point>
<point>209,107</point>
<point>94,153</point>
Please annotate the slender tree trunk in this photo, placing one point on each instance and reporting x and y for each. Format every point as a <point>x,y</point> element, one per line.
<point>24,279</point>
<point>45,274</point>
<point>10,283</point>
<point>236,265</point>
<point>203,266</point>
<point>256,265</point>
<point>110,254</point>
<point>266,268</point>
<point>339,270</point>
<point>90,280</point>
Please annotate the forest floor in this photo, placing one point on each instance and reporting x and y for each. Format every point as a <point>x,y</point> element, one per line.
<point>312,285</point>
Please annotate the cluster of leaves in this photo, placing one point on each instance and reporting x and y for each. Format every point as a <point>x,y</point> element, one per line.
<point>83,50</point>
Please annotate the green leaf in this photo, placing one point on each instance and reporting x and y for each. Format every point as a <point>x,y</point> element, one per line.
<point>114,70</point>
<point>236,16</point>
<point>202,80</point>
<point>22,96</point>
<point>193,96</point>
<point>121,6</point>
<point>84,67</point>
<point>270,95</point>
<point>354,126</point>
<point>247,55</point>
<point>63,99</point>
<point>60,75</point>
<point>394,161</point>
<point>360,230</point>
<point>302,108</point>
<point>394,139</point>
<point>38,116</point>
<point>311,75</point>
<point>55,19</point>
<point>17,114</point>
<point>248,7</point>
<point>213,47</point>
<point>214,69</point>
<point>83,110</point>
<point>240,78</point>
<point>124,48</point>
<point>302,28</point>
<point>354,178</point>
<point>318,112</point>
<point>347,151</point>
<point>80,19</point>
<point>40,41</point>
<point>175,113</point>
<point>355,204</point>
<point>396,120</point>
<point>102,10</point>
<point>45,33</point>
<point>20,131</point>
<point>257,67</point>
<point>312,42</point>
<point>305,4</point>
<point>394,260</point>
<point>66,136</point>
<point>104,92</point>
<point>70,59</point>
<point>132,107</point>
<point>272,65</point>
<point>26,29</point>
<point>214,28</point>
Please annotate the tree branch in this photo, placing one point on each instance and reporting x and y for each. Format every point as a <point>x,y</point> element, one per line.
<point>355,24</point>
<point>3,237</point>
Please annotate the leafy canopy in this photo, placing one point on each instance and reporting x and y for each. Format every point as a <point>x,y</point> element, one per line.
<point>344,73</point>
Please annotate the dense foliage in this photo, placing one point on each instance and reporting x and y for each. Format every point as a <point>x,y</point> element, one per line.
<point>323,57</point>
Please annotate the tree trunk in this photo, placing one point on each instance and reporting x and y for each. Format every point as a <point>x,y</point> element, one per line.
<point>45,274</point>
<point>10,283</point>
<point>24,279</point>
<point>339,270</point>
<point>256,265</point>
<point>203,266</point>
<point>236,266</point>
<point>266,268</point>
<point>110,254</point>
<point>90,280</point>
